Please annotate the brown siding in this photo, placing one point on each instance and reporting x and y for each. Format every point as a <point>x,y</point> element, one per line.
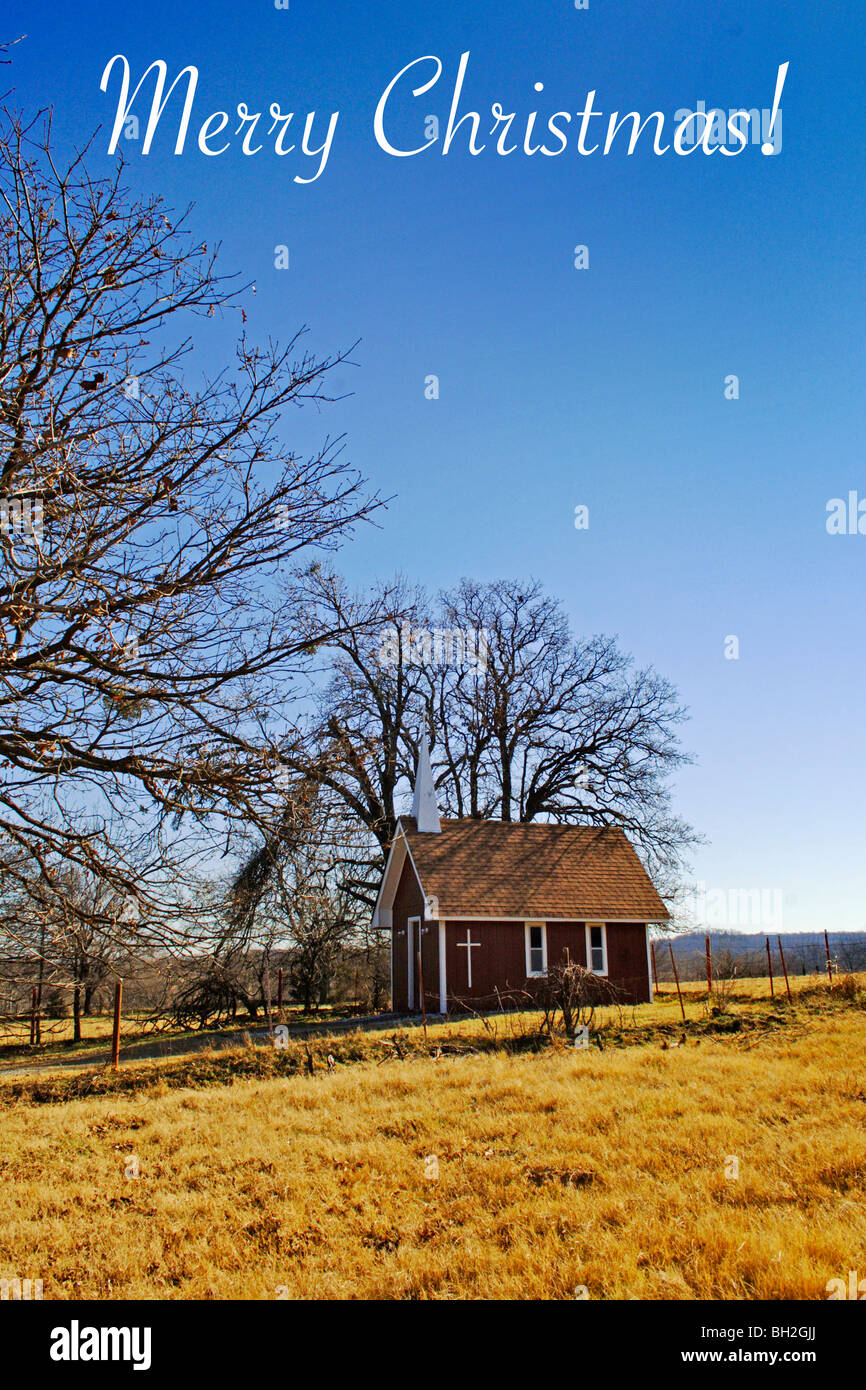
<point>627,967</point>
<point>499,962</point>
<point>566,936</point>
<point>408,902</point>
<point>627,961</point>
<point>626,955</point>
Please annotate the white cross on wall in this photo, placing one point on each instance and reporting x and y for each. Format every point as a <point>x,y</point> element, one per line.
<point>468,946</point>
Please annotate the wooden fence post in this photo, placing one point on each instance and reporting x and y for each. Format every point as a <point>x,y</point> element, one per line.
<point>677,982</point>
<point>115,1036</point>
<point>784,966</point>
<point>654,966</point>
<point>770,968</point>
<point>709,965</point>
<point>829,963</point>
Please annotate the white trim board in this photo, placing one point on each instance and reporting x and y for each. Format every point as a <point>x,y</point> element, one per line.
<point>443,972</point>
<point>609,921</point>
<point>383,912</point>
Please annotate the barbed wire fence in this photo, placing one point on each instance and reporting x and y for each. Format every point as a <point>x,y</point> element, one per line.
<point>798,955</point>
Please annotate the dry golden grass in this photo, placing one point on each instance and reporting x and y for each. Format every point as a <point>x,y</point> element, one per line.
<point>556,1170</point>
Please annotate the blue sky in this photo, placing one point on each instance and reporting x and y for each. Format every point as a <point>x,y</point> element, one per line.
<point>561,387</point>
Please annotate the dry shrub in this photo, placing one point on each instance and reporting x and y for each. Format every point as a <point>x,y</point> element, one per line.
<point>568,997</point>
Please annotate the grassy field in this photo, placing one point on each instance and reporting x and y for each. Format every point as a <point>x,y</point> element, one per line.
<point>472,1164</point>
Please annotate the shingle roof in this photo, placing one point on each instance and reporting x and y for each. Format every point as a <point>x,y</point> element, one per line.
<point>492,869</point>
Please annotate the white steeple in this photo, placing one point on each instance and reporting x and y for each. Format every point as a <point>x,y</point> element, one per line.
<point>424,808</point>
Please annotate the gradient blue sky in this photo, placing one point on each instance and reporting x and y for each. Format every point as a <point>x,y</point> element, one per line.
<point>558,386</point>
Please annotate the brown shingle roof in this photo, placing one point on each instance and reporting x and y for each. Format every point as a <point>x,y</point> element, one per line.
<point>491,869</point>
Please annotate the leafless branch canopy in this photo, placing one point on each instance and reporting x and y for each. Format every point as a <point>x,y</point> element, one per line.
<point>156,528</point>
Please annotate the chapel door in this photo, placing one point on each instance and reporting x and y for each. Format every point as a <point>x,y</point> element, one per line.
<point>412,937</point>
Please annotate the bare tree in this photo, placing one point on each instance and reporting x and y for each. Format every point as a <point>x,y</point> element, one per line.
<point>156,532</point>
<point>67,934</point>
<point>360,746</point>
<point>556,728</point>
<point>540,727</point>
<point>301,900</point>
<point>370,706</point>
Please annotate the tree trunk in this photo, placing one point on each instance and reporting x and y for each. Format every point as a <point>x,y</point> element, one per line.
<point>76,1015</point>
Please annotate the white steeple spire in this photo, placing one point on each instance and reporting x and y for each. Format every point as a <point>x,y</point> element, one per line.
<point>424,808</point>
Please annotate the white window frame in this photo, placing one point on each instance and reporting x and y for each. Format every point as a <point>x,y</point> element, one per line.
<point>530,973</point>
<point>589,967</point>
